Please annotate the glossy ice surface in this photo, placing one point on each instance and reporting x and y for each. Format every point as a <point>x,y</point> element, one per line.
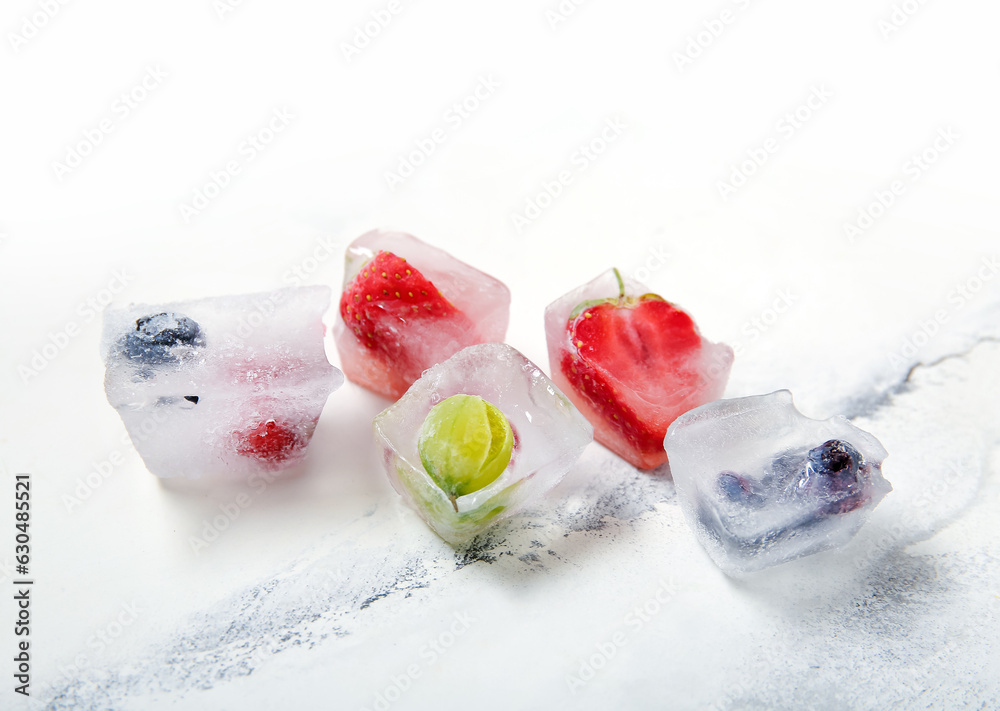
<point>388,357</point>
<point>762,484</point>
<point>230,385</point>
<point>549,435</point>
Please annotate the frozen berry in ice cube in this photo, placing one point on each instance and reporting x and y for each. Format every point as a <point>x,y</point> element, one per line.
<point>162,338</point>
<point>839,467</point>
<point>224,387</point>
<point>739,489</point>
<point>817,481</point>
<point>388,296</point>
<point>274,442</point>
<point>476,438</point>
<point>632,362</point>
<point>407,306</point>
<point>837,460</point>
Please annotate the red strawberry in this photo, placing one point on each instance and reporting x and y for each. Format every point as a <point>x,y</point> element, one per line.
<point>634,364</point>
<point>396,311</point>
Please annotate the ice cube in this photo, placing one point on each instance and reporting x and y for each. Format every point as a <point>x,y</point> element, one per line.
<point>406,306</point>
<point>632,362</point>
<point>231,385</point>
<point>761,483</point>
<point>549,434</point>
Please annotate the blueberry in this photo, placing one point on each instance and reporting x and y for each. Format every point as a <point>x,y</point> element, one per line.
<point>156,336</point>
<point>840,467</point>
<point>738,489</point>
<point>729,484</point>
<point>836,459</point>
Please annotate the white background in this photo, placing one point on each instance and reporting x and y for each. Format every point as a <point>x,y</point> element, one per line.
<point>276,612</point>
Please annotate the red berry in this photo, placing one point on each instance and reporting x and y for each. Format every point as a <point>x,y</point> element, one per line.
<point>271,441</point>
<point>388,306</point>
<point>634,366</point>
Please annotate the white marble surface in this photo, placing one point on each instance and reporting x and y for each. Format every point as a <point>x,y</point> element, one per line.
<point>325,592</point>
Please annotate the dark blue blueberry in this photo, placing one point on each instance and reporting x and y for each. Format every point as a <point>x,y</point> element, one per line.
<point>840,465</point>
<point>156,336</point>
<point>729,484</point>
<point>836,459</point>
<point>738,490</point>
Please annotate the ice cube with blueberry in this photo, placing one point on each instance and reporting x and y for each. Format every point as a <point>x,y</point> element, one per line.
<point>762,484</point>
<point>406,306</point>
<point>476,438</point>
<point>632,362</point>
<point>226,386</point>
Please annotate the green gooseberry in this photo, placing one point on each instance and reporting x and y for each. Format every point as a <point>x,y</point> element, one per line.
<point>465,445</point>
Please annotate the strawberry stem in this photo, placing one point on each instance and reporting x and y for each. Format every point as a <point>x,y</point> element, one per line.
<point>621,283</point>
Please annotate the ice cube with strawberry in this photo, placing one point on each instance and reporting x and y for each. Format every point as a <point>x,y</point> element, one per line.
<point>632,362</point>
<point>407,306</point>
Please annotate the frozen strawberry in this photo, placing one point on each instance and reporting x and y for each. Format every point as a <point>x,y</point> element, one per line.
<point>399,318</point>
<point>632,364</point>
<point>389,293</point>
<point>389,297</point>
